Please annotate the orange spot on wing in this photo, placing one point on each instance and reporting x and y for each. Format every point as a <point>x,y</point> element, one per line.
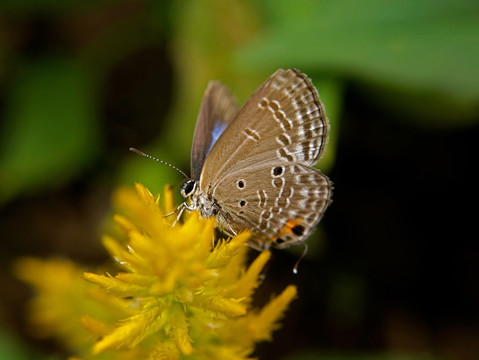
<point>288,227</point>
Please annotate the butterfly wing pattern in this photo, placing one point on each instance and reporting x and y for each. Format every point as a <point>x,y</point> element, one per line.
<point>259,172</point>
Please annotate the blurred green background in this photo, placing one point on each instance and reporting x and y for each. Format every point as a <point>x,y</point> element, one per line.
<point>392,272</point>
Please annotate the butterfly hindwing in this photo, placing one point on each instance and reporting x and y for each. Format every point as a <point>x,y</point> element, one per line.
<point>280,203</point>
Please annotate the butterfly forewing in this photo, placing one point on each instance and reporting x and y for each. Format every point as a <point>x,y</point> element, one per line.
<point>283,120</point>
<point>217,110</point>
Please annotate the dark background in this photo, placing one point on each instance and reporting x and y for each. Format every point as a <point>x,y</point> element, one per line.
<point>392,269</point>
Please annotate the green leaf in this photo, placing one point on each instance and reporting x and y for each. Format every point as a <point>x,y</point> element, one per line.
<point>49,133</point>
<point>12,349</point>
<point>428,48</point>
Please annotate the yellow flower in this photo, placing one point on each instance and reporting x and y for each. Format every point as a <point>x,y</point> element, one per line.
<point>179,295</point>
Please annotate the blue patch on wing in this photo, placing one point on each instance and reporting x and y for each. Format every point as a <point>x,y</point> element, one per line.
<point>218,129</point>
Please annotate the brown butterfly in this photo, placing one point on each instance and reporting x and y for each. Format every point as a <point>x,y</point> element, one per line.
<point>252,166</point>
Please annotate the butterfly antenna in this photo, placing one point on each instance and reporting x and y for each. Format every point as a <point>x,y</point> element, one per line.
<point>160,161</point>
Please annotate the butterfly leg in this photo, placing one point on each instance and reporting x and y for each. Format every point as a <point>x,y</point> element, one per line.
<point>179,210</point>
<point>225,221</point>
<point>255,246</point>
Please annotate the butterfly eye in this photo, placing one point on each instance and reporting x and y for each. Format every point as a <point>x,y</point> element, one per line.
<point>188,187</point>
<point>240,184</point>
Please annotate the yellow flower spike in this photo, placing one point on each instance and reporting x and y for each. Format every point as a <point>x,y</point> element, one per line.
<point>115,286</point>
<point>167,284</point>
<point>235,268</point>
<point>125,224</point>
<point>179,329</point>
<point>178,296</point>
<point>118,308</point>
<point>95,327</point>
<point>60,301</point>
<point>168,205</point>
<point>225,250</point>
<point>128,260</point>
<point>266,321</point>
<point>132,330</point>
<point>166,350</point>
<point>113,246</point>
<point>245,286</point>
<point>130,202</point>
<point>137,279</point>
<point>184,295</point>
<point>145,195</point>
<point>219,304</point>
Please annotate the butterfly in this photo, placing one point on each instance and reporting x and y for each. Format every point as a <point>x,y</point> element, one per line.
<point>251,166</point>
